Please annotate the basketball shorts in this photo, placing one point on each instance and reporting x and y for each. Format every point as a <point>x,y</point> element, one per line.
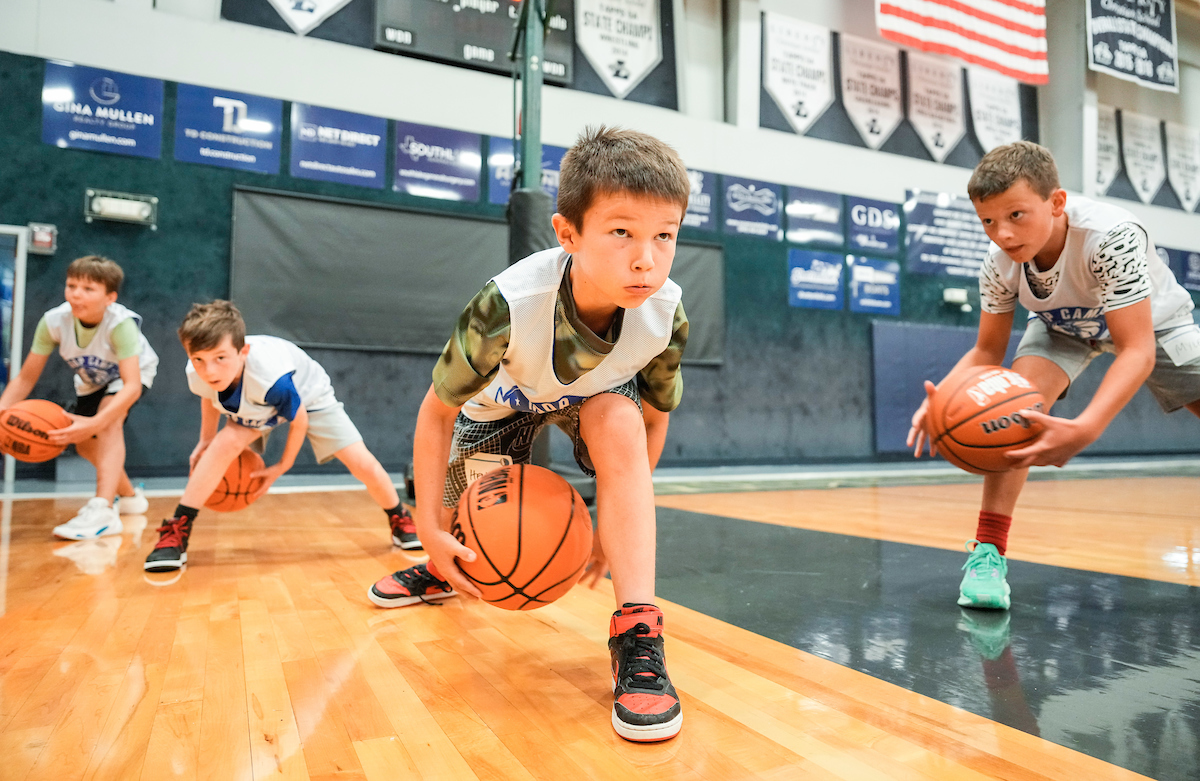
<point>87,406</point>
<point>1173,386</point>
<point>513,437</point>
<point>329,430</point>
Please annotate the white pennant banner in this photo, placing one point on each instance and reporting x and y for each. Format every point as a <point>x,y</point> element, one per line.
<point>995,107</point>
<point>1183,163</point>
<point>935,103</point>
<point>304,15</point>
<point>871,88</point>
<point>1141,146</point>
<point>621,39</point>
<point>797,69</point>
<point>1108,148</point>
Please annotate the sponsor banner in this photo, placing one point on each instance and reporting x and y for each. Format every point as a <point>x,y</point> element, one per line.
<point>434,162</point>
<point>797,68</point>
<point>1142,150</point>
<point>1183,163</point>
<point>874,285</point>
<point>935,103</point>
<point>1134,40</point>
<point>752,208</point>
<point>1108,148</point>
<point>228,129</point>
<point>338,146</point>
<point>702,201</point>
<point>815,279</point>
<point>304,15</point>
<point>943,235</point>
<point>500,169</point>
<point>1185,264</point>
<point>101,110</point>
<point>622,39</point>
<point>814,217</point>
<point>995,107</point>
<point>871,88</point>
<point>874,225</point>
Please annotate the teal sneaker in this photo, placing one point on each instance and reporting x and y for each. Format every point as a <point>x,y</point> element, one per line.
<point>984,585</point>
<point>988,631</point>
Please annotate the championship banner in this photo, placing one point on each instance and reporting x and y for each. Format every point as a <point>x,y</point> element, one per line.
<point>995,108</point>
<point>871,88</point>
<point>1183,163</point>
<point>1134,40</point>
<point>935,103</point>
<point>874,225</point>
<point>702,201</point>
<point>433,162</point>
<point>1142,150</point>
<point>304,15</point>
<point>943,235</point>
<point>338,146</point>
<point>815,279</point>
<point>1108,148</point>
<point>814,217</point>
<point>622,39</point>
<point>797,68</point>
<point>501,160</point>
<point>874,285</point>
<point>100,110</point>
<point>228,129</point>
<point>752,208</point>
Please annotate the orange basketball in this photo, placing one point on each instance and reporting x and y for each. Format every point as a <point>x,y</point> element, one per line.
<point>531,532</point>
<point>236,489</point>
<point>23,430</point>
<point>975,417</point>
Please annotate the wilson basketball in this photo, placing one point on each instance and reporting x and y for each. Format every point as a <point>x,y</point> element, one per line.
<point>236,489</point>
<point>975,417</point>
<point>531,532</point>
<point>24,430</point>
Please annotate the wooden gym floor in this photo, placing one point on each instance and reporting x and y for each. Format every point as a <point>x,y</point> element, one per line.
<point>811,634</point>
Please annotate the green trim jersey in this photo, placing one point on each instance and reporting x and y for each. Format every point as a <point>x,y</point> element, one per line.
<point>94,354</point>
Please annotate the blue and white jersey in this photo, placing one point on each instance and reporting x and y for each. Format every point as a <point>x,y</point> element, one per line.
<point>97,366</point>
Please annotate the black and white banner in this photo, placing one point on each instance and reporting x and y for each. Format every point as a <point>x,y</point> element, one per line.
<point>995,107</point>
<point>1108,148</point>
<point>797,68</point>
<point>871,88</point>
<point>622,39</point>
<point>303,15</point>
<point>1134,40</point>
<point>1142,149</point>
<point>1183,163</point>
<point>935,103</point>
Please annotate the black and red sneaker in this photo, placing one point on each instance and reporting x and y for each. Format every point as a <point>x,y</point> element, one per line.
<point>404,530</point>
<point>409,586</point>
<point>170,552</point>
<point>645,705</point>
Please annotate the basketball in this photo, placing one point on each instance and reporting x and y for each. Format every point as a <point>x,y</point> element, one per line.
<point>236,489</point>
<point>531,532</point>
<point>23,431</point>
<point>975,417</point>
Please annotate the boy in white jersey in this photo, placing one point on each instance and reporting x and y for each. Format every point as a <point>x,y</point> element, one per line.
<point>103,344</point>
<point>589,338</point>
<point>1093,282</point>
<point>257,383</point>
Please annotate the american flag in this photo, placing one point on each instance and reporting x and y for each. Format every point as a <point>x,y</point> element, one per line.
<point>1007,36</point>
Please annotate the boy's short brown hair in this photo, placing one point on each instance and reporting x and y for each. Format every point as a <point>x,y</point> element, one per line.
<point>612,160</point>
<point>97,268</point>
<point>1006,165</point>
<point>206,325</point>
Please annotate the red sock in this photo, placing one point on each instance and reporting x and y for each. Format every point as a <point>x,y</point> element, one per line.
<point>434,571</point>
<point>993,528</point>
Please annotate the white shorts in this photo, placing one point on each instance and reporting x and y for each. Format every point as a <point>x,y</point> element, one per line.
<point>329,430</point>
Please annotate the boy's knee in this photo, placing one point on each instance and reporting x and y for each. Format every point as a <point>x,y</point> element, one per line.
<point>610,414</point>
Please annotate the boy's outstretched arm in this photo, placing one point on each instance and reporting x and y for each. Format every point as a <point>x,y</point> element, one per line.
<point>1132,330</point>
<point>22,385</point>
<point>297,430</point>
<point>209,419</point>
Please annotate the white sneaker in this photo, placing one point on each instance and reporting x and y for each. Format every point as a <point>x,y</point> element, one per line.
<point>95,519</point>
<point>137,504</point>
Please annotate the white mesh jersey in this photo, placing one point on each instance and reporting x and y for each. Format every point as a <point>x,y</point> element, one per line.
<point>96,366</point>
<point>1108,262</point>
<point>269,359</point>
<point>525,380</point>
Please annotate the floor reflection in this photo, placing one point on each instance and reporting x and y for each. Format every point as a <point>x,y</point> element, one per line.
<point>1103,664</point>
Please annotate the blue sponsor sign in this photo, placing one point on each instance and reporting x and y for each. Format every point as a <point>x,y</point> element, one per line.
<point>943,235</point>
<point>814,217</point>
<point>753,208</point>
<point>815,279</point>
<point>874,226</point>
<point>100,110</point>
<point>501,163</point>
<point>228,129</point>
<point>702,201</point>
<point>874,285</point>
<point>337,146</point>
<point>1185,264</point>
<point>434,162</point>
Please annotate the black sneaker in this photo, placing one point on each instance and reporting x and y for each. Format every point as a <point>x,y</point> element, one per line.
<point>409,586</point>
<point>645,705</point>
<point>404,530</point>
<point>170,552</point>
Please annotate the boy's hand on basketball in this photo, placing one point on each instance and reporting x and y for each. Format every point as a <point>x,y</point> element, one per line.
<point>444,550</point>
<point>1059,442</point>
<point>597,566</point>
<point>269,475</point>
<point>81,428</point>
<point>918,435</point>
